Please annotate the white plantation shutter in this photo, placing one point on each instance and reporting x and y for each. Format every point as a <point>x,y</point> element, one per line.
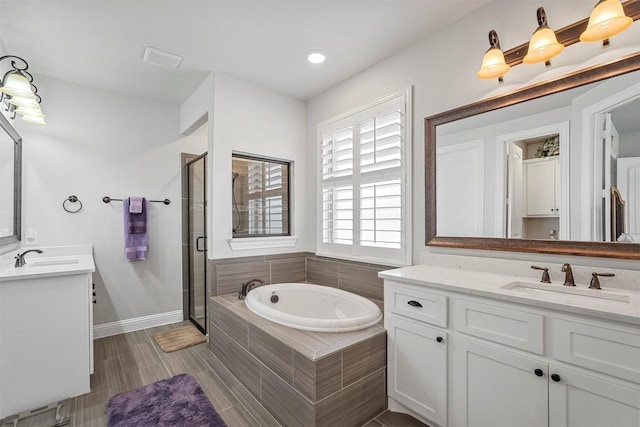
<point>363,184</point>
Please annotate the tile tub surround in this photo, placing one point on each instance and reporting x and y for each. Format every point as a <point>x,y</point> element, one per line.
<point>227,275</point>
<point>302,378</point>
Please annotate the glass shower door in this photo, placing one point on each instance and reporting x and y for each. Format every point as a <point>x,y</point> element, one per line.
<point>197,201</point>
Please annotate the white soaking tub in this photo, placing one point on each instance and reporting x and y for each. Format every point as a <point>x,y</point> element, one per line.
<point>313,307</point>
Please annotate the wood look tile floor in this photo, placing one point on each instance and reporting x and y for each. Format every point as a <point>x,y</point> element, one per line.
<point>128,361</point>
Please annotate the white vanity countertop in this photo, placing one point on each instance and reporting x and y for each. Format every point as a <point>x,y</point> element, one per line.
<point>589,303</point>
<point>54,261</point>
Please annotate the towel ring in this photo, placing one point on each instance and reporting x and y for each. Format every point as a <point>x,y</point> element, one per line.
<point>72,199</point>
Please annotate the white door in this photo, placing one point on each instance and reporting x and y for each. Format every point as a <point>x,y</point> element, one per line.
<point>580,400</point>
<point>418,367</point>
<point>629,186</point>
<point>514,201</point>
<point>540,178</point>
<point>496,388</point>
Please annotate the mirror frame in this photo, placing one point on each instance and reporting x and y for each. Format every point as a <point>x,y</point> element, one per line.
<point>621,66</point>
<point>17,182</point>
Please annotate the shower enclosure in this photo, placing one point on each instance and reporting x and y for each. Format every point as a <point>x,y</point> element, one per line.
<point>197,241</point>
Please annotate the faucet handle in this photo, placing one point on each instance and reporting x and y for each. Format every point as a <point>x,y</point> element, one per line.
<point>595,283</point>
<point>545,273</point>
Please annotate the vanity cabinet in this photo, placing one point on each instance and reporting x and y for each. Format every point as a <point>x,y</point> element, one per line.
<point>507,364</point>
<point>542,186</point>
<point>46,346</point>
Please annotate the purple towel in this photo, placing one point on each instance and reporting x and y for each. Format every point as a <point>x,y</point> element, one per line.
<point>136,241</point>
<point>135,204</point>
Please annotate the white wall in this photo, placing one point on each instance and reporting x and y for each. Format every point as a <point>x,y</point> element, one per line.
<point>250,119</point>
<point>99,144</point>
<point>442,70</point>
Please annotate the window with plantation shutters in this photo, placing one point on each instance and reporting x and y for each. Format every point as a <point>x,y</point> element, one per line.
<point>364,183</point>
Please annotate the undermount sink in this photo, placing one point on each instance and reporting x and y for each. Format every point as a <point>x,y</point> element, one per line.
<point>48,263</point>
<point>574,293</point>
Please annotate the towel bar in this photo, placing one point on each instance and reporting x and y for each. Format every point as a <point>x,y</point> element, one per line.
<point>108,199</point>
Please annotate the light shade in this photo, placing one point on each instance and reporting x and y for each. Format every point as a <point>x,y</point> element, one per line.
<point>607,19</point>
<point>493,65</point>
<point>33,112</point>
<point>20,101</point>
<point>18,85</point>
<point>543,46</point>
<point>34,120</point>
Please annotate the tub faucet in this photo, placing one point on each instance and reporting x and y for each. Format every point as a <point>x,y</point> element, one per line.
<point>568,278</point>
<point>246,287</point>
<point>20,257</point>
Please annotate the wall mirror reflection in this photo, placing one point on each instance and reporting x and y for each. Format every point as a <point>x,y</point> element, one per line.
<point>551,168</point>
<point>260,196</point>
<point>10,183</point>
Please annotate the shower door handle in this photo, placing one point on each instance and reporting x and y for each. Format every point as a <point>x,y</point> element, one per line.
<point>198,244</point>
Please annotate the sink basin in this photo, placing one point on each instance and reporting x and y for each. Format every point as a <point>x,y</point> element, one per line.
<point>568,292</point>
<point>48,263</point>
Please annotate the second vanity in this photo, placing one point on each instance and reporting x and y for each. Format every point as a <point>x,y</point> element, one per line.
<point>46,328</point>
<point>479,349</point>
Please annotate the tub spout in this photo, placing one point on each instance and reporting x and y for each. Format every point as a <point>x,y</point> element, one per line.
<point>246,287</point>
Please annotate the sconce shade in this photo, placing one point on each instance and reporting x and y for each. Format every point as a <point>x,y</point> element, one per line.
<point>34,120</point>
<point>18,85</point>
<point>607,19</point>
<point>542,47</point>
<point>33,112</point>
<point>20,101</point>
<point>493,65</point>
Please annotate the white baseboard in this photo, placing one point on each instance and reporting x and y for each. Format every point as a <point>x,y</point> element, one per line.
<point>135,324</point>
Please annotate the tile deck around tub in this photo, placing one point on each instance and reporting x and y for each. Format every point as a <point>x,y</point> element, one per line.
<point>314,345</point>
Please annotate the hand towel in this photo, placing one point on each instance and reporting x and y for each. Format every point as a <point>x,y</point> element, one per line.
<point>136,242</point>
<point>135,205</point>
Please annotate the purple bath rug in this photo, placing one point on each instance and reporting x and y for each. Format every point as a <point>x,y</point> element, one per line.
<point>175,402</point>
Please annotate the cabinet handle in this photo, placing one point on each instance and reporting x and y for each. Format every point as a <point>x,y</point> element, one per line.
<point>94,301</point>
<point>413,303</point>
<point>439,339</point>
<point>538,372</point>
<point>555,377</point>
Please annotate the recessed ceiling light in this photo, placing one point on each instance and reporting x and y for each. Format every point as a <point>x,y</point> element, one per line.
<point>316,56</point>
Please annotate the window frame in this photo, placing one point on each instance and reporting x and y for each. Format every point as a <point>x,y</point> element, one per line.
<point>356,251</point>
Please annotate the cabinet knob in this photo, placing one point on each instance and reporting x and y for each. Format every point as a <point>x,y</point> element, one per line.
<point>413,303</point>
<point>538,372</point>
<point>94,301</point>
<point>555,377</point>
<point>439,339</point>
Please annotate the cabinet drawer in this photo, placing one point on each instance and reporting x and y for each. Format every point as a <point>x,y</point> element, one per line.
<point>515,328</point>
<point>418,304</point>
<point>607,350</point>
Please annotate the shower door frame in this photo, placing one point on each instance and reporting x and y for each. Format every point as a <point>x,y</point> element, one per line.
<point>190,280</point>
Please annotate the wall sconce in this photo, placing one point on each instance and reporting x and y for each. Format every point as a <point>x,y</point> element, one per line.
<point>493,65</point>
<point>19,94</point>
<point>607,19</point>
<point>543,44</point>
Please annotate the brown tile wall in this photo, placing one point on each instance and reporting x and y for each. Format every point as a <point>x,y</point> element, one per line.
<point>227,275</point>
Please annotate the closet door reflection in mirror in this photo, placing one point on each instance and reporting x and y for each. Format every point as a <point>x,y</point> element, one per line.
<point>260,196</point>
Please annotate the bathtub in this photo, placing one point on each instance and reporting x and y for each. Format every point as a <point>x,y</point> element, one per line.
<point>313,307</point>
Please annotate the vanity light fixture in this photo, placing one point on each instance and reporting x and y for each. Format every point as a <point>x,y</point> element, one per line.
<point>316,56</point>
<point>493,64</point>
<point>543,44</point>
<point>19,94</point>
<point>607,19</point>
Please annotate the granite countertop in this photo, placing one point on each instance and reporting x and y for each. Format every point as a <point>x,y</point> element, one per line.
<point>609,303</point>
<point>54,261</point>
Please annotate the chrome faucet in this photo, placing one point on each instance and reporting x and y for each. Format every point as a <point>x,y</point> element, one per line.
<point>20,257</point>
<point>246,287</point>
<point>568,278</point>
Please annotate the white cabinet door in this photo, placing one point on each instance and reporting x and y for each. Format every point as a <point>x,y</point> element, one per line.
<point>541,187</point>
<point>417,367</point>
<point>580,400</point>
<point>492,387</point>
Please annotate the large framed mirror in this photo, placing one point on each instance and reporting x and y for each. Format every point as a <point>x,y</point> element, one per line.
<point>534,170</point>
<point>10,183</point>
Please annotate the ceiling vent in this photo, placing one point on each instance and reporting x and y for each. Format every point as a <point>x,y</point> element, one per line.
<point>159,57</point>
